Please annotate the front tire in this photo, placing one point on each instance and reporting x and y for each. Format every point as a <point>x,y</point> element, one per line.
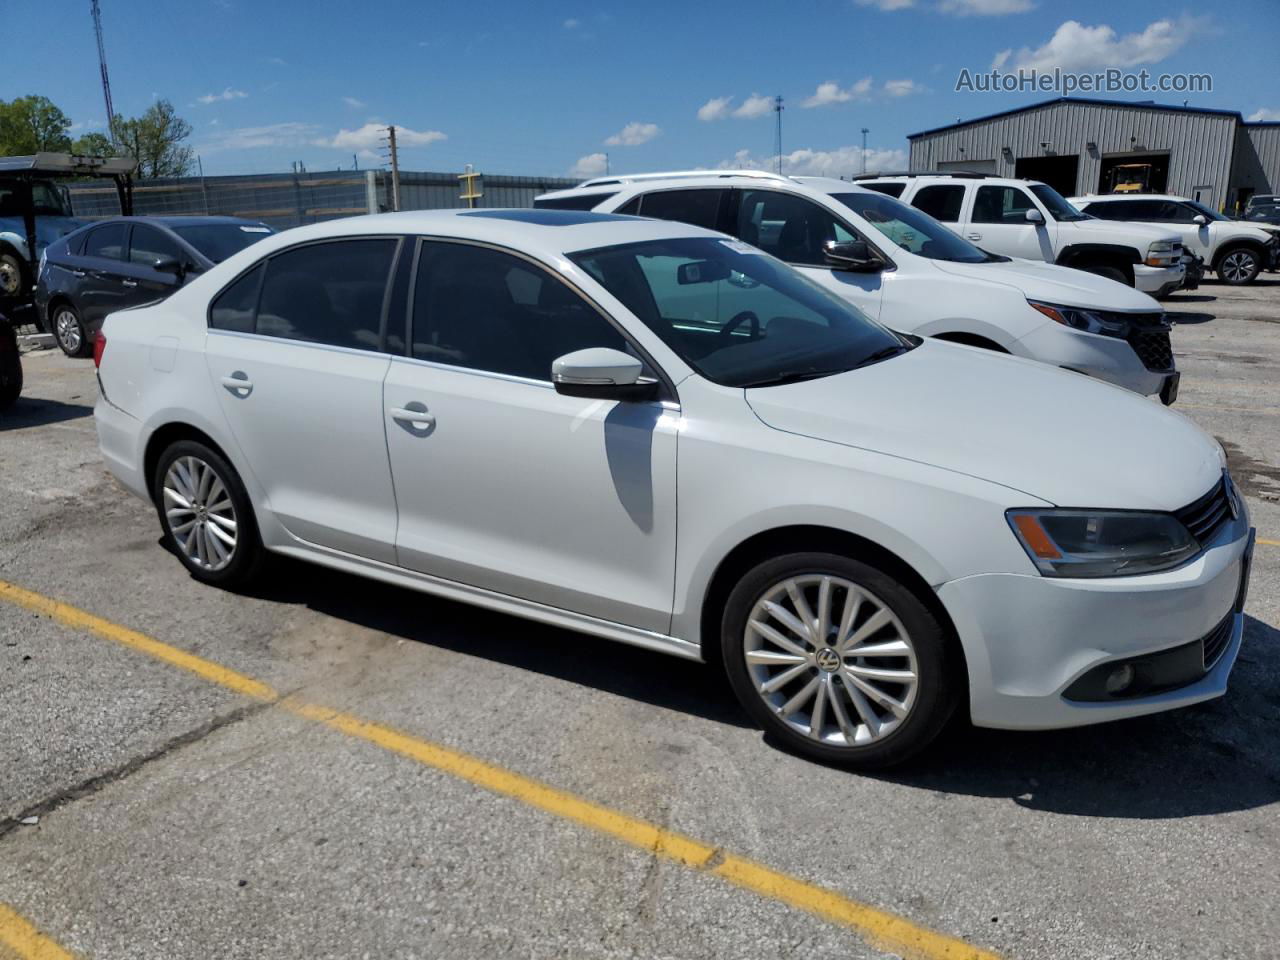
<point>68,329</point>
<point>1238,266</point>
<point>206,516</point>
<point>1111,273</point>
<point>838,660</point>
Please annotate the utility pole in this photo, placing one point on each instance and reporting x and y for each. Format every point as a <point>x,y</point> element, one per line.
<point>606,164</point>
<point>777,144</point>
<point>102,65</point>
<point>864,149</point>
<point>204,190</point>
<point>395,168</point>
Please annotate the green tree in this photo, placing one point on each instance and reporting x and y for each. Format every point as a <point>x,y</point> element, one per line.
<point>94,145</point>
<point>155,139</point>
<point>31,124</point>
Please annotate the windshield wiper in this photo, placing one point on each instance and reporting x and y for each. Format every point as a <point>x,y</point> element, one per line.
<point>793,376</point>
<point>884,354</point>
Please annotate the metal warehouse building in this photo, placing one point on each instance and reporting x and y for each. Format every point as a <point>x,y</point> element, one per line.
<point>1080,145</point>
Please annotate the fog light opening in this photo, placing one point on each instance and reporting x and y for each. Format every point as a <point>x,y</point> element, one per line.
<point>1120,679</point>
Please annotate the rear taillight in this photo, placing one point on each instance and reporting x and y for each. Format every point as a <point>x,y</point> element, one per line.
<point>99,348</point>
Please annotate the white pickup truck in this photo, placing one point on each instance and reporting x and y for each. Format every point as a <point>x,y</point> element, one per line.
<point>1031,220</point>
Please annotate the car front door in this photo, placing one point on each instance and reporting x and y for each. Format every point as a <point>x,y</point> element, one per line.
<point>296,361</point>
<point>503,483</point>
<point>100,275</point>
<point>143,283</point>
<point>795,230</point>
<point>998,224</point>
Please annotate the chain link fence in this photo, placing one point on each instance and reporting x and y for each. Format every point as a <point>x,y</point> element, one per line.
<point>284,200</point>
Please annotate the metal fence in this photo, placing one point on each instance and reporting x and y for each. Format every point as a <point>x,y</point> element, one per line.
<point>288,200</point>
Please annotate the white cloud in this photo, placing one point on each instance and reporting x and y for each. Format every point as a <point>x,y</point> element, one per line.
<point>1265,115</point>
<point>227,94</point>
<point>985,8</point>
<point>353,103</point>
<point>831,92</point>
<point>290,134</point>
<point>717,108</point>
<point>754,106</point>
<point>633,134</point>
<point>371,135</point>
<point>901,88</point>
<point>573,23</point>
<point>887,4</point>
<point>1075,46</point>
<point>592,165</point>
<point>842,161</point>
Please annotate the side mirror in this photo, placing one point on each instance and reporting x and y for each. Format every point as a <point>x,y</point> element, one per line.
<point>853,255</point>
<point>170,265</point>
<point>1035,216</point>
<point>602,373</point>
<point>1200,219</point>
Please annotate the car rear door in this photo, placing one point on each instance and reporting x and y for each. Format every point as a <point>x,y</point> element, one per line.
<point>295,354</point>
<point>143,283</point>
<point>502,482</point>
<point>100,277</point>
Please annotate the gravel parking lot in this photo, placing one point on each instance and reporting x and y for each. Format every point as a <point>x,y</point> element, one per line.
<point>151,807</point>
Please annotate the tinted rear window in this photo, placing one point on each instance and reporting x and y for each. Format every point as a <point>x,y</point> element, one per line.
<point>892,189</point>
<point>585,201</point>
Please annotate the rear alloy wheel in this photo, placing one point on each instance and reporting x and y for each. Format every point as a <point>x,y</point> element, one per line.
<point>206,515</point>
<point>1239,266</point>
<point>838,659</point>
<point>70,332</point>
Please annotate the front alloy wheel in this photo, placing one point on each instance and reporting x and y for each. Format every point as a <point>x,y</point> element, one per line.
<point>1239,266</point>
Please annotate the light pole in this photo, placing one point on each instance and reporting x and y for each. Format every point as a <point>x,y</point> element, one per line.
<point>864,149</point>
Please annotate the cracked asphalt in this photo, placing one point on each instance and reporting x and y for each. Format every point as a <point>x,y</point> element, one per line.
<point>178,819</point>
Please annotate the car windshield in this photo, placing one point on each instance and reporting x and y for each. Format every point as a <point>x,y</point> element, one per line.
<point>1058,206</point>
<point>1263,211</point>
<point>1209,212</point>
<point>217,241</point>
<point>46,198</point>
<point>913,230</point>
<point>735,314</point>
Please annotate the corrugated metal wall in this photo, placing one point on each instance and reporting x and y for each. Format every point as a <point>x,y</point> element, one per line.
<point>1200,145</point>
<point>288,200</point>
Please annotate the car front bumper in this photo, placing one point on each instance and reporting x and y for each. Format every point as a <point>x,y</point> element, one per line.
<point>1105,358</point>
<point>1028,638</point>
<point>1158,281</point>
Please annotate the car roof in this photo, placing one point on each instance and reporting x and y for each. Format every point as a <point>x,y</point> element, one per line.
<point>701,179</point>
<point>548,233</point>
<point>1107,197</point>
<point>179,221</point>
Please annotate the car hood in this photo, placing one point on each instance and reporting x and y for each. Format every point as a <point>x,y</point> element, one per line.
<point>1113,231</point>
<point>1051,434</point>
<point>1249,231</point>
<point>1053,284</point>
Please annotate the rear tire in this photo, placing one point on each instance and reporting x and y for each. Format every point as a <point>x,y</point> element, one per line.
<point>1238,266</point>
<point>69,332</point>
<point>792,616</point>
<point>206,515</point>
<point>14,281</point>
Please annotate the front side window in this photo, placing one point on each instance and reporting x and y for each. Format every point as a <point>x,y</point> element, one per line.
<point>329,293</point>
<point>738,317</point>
<point>1001,205</point>
<point>1198,207</point>
<point>701,208</point>
<point>912,230</point>
<point>484,309</point>
<point>1059,207</point>
<point>793,229</point>
<point>106,241</point>
<point>941,201</point>
<point>147,245</point>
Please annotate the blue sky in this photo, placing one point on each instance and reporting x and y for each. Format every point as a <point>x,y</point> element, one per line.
<point>548,88</point>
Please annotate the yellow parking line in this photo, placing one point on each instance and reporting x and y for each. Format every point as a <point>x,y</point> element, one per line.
<point>25,940</point>
<point>880,928</point>
<point>1269,543</point>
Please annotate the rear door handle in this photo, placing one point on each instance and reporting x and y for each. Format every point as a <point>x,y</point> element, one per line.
<point>238,384</point>
<point>129,283</point>
<point>78,273</point>
<point>416,419</point>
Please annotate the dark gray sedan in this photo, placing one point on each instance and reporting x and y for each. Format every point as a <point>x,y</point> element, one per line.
<point>125,262</point>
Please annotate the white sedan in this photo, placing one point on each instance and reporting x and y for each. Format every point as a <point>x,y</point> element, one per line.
<point>649,432</point>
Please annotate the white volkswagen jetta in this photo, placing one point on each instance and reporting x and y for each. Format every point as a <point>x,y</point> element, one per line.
<point>652,433</point>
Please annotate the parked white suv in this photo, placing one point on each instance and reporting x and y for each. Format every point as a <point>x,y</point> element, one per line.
<point>648,432</point>
<point>1237,252</point>
<point>910,272</point>
<point>1029,219</point>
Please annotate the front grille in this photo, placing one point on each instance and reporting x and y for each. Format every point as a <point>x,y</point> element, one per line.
<point>1215,642</point>
<point>1152,346</point>
<point>1206,516</point>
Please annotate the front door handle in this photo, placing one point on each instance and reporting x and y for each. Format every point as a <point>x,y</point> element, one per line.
<point>129,283</point>
<point>238,384</point>
<point>78,273</point>
<point>414,417</point>
<point>973,236</point>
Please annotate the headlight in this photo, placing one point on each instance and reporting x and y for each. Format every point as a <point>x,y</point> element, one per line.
<point>1078,318</point>
<point>1101,543</point>
<point>1162,253</point>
